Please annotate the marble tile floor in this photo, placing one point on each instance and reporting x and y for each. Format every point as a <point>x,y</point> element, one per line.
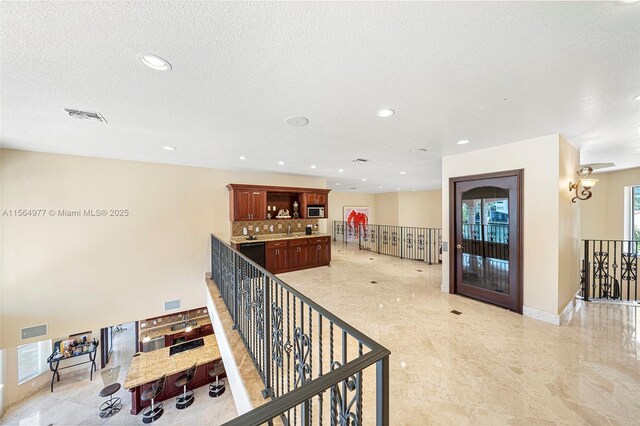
<point>487,365</point>
<point>75,400</point>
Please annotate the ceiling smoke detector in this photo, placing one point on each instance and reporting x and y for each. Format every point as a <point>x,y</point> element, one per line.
<point>359,160</point>
<point>296,121</point>
<point>85,115</point>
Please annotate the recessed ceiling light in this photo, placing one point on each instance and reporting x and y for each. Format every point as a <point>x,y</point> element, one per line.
<point>281,163</point>
<point>413,190</point>
<point>155,62</point>
<point>296,121</point>
<point>463,141</point>
<point>397,189</point>
<point>403,173</point>
<point>380,187</point>
<point>242,157</point>
<point>169,148</point>
<point>338,184</point>
<point>340,170</point>
<point>364,179</point>
<point>637,98</point>
<point>385,113</point>
<point>313,166</point>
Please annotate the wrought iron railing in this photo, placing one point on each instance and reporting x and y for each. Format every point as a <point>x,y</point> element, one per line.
<point>490,240</point>
<point>406,242</point>
<point>610,270</point>
<point>315,367</point>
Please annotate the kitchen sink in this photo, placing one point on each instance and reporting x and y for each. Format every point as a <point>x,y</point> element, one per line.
<point>182,325</point>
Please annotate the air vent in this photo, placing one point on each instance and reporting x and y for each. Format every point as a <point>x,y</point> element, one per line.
<point>35,331</point>
<point>418,150</point>
<point>171,305</point>
<point>359,160</point>
<point>353,187</point>
<point>85,115</point>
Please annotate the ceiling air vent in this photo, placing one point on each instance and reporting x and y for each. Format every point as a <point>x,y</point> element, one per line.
<point>171,305</point>
<point>353,187</point>
<point>359,160</point>
<point>85,115</point>
<point>35,331</point>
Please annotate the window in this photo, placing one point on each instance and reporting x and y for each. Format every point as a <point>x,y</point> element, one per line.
<point>635,213</point>
<point>32,359</point>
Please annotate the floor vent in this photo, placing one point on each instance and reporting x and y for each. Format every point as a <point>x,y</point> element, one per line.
<point>35,331</point>
<point>373,282</point>
<point>456,312</point>
<point>419,270</point>
<point>371,258</point>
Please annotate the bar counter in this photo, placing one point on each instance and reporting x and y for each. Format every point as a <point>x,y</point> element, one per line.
<point>148,367</point>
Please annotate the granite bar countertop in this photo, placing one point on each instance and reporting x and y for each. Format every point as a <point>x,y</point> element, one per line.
<point>274,237</point>
<point>163,330</point>
<point>150,366</point>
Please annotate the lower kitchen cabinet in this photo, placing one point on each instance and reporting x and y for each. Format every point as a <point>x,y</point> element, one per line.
<point>295,254</point>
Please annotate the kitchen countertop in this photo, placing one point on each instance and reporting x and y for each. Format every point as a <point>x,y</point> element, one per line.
<point>163,330</point>
<point>150,366</point>
<point>273,237</point>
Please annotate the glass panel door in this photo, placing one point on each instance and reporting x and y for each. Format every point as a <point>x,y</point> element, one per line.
<point>486,222</point>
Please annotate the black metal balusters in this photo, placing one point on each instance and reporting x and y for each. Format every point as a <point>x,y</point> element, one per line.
<point>610,270</point>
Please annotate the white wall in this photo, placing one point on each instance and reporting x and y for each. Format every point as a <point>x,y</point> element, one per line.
<point>540,158</point>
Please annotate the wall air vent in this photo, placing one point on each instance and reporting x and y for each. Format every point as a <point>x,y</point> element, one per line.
<point>85,115</point>
<point>35,331</point>
<point>353,187</point>
<point>359,160</point>
<point>171,305</point>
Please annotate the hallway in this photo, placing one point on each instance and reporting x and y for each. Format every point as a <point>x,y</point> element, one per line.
<point>487,365</point>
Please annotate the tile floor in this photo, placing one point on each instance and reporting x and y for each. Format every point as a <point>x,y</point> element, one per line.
<point>75,400</point>
<point>487,365</point>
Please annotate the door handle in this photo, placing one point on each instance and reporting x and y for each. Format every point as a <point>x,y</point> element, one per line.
<point>459,246</point>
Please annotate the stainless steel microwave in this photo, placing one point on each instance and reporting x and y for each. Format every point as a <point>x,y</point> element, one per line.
<point>315,212</point>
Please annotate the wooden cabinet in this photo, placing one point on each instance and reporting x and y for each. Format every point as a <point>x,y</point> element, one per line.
<point>297,254</point>
<point>206,330</point>
<point>319,251</point>
<point>248,204</point>
<point>315,199</point>
<point>277,259</point>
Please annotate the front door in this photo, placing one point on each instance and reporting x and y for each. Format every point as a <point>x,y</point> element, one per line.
<point>486,230</point>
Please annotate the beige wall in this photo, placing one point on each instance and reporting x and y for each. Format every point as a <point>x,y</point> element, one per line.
<point>540,159</point>
<point>339,200</point>
<point>89,272</point>
<point>387,208</point>
<point>420,208</point>
<point>568,227</point>
<point>603,216</point>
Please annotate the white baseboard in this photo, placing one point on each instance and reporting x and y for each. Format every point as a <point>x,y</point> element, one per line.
<point>541,315</point>
<point>566,314</point>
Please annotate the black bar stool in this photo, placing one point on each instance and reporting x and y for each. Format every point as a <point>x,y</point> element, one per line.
<point>216,388</point>
<point>111,386</point>
<point>186,399</point>
<point>154,412</point>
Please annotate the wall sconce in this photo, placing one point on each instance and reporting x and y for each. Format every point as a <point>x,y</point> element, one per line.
<point>586,182</point>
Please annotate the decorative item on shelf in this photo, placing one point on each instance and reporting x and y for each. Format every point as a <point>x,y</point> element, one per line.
<point>268,215</point>
<point>283,214</point>
<point>586,182</point>
<point>296,214</point>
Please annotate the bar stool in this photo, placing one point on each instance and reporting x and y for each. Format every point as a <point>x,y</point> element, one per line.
<point>186,399</point>
<point>154,412</point>
<point>111,386</point>
<point>216,388</point>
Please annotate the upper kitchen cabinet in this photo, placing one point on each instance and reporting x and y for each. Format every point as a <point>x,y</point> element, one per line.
<point>248,204</point>
<point>316,198</point>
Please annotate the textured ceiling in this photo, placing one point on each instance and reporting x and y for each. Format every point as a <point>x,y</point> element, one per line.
<point>494,73</point>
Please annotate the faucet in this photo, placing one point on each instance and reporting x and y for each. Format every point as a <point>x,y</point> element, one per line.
<point>289,229</point>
